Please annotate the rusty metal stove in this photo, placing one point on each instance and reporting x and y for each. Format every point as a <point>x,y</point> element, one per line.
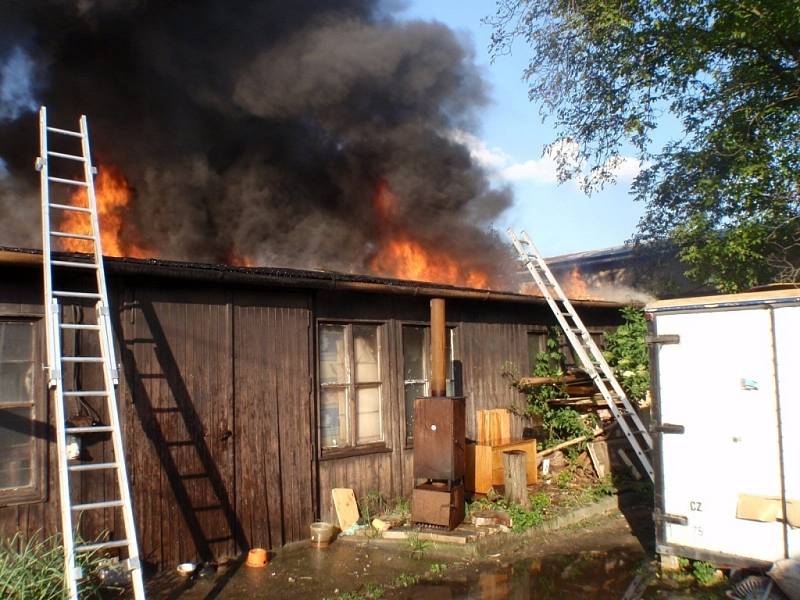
<point>439,438</point>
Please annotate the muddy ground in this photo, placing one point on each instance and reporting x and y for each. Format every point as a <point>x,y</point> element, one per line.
<point>595,559</point>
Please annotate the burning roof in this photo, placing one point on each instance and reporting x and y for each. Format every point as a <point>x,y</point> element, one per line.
<point>314,134</point>
<point>288,277</point>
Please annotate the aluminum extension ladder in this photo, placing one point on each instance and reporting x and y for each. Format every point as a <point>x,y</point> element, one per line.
<point>585,348</point>
<point>56,358</point>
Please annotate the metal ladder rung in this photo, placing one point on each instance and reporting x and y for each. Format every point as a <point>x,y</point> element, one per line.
<point>79,326</point>
<point>65,132</point>
<point>67,294</point>
<point>101,545</point>
<point>90,429</point>
<point>70,207</point>
<point>76,393</point>
<point>77,236</point>
<point>82,359</point>
<point>93,466</point>
<point>68,156</point>
<point>76,265</point>
<point>98,505</point>
<point>67,181</point>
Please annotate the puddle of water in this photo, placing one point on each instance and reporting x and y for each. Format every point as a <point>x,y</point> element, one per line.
<point>590,574</point>
<point>302,575</point>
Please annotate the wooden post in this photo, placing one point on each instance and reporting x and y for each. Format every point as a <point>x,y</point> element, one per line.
<point>515,478</point>
<point>438,359</point>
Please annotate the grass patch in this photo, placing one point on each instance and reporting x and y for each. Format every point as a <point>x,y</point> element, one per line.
<point>405,580</point>
<point>34,568</point>
<point>521,519</point>
<point>704,573</point>
<point>417,546</point>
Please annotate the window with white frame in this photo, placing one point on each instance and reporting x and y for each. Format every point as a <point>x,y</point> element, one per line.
<point>351,407</point>
<point>20,405</point>
<point>417,367</point>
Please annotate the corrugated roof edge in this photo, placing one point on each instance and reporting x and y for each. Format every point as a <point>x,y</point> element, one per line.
<point>286,277</point>
<point>787,296</point>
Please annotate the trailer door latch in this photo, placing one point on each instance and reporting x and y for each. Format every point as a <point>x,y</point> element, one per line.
<point>667,338</point>
<point>669,428</point>
<point>662,517</point>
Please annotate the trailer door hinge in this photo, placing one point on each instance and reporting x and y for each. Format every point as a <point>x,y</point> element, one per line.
<point>667,338</point>
<point>661,517</point>
<point>669,428</point>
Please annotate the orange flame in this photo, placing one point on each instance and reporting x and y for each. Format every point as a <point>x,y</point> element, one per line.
<point>239,260</point>
<point>404,258</point>
<point>401,256</point>
<point>113,197</point>
<point>574,285</point>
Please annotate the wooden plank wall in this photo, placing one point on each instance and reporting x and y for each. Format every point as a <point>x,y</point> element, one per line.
<point>215,402</point>
<point>177,355</point>
<point>275,498</point>
<point>487,335</point>
<point>219,406</point>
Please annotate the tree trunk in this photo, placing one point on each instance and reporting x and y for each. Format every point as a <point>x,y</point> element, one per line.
<point>515,478</point>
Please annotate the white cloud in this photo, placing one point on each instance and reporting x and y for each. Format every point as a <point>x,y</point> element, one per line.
<point>491,158</point>
<point>543,170</point>
<point>618,168</point>
<point>540,170</point>
<point>626,168</point>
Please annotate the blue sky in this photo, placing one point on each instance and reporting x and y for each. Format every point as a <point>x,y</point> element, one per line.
<point>511,135</point>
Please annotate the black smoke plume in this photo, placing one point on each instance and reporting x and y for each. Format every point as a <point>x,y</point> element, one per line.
<point>254,128</point>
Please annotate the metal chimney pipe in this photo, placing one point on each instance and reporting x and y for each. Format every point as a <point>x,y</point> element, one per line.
<point>438,358</point>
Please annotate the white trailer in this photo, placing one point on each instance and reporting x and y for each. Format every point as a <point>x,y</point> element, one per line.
<point>726,411</point>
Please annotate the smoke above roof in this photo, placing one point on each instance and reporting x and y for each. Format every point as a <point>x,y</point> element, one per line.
<point>260,128</point>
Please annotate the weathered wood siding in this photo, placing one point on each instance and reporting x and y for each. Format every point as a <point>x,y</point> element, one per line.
<point>275,467</point>
<point>177,355</point>
<point>215,403</point>
<point>218,400</point>
<point>487,335</point>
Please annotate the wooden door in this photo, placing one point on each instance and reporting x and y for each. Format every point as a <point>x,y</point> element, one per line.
<point>176,351</point>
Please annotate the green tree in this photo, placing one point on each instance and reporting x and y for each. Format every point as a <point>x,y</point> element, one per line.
<point>727,190</point>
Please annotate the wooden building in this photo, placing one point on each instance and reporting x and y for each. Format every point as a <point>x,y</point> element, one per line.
<point>246,394</point>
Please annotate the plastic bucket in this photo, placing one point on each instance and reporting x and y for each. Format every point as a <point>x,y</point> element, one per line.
<point>321,534</point>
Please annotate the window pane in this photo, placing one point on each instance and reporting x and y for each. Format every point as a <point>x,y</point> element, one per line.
<point>414,353</point>
<point>16,383</point>
<point>16,363</point>
<point>332,357</point>
<point>16,447</point>
<point>16,341</point>
<point>368,410</point>
<point>333,417</point>
<point>412,391</point>
<point>365,340</point>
